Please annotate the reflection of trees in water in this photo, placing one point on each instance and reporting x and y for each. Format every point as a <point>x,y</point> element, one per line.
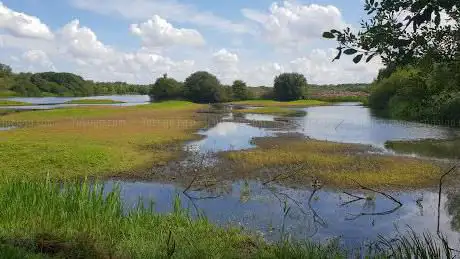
<point>453,208</point>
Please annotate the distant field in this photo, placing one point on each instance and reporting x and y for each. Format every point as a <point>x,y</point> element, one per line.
<point>93,101</point>
<point>340,96</point>
<point>271,103</point>
<point>273,111</point>
<point>12,103</point>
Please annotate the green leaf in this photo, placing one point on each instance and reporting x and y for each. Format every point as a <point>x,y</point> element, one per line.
<point>358,58</point>
<point>370,57</point>
<point>328,35</point>
<point>350,51</point>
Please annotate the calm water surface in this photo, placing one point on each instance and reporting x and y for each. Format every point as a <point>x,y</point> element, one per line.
<point>346,123</point>
<point>321,215</point>
<point>46,103</point>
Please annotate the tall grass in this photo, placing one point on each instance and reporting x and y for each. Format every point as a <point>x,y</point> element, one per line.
<point>79,221</point>
<point>82,220</point>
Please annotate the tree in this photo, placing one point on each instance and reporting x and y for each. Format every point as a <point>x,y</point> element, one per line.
<point>166,89</point>
<point>5,70</point>
<point>240,91</point>
<point>203,87</point>
<point>290,87</point>
<point>403,31</point>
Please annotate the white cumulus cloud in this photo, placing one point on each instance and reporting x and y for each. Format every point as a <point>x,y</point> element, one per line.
<point>290,23</point>
<point>157,32</point>
<point>82,41</point>
<point>38,60</point>
<point>23,25</point>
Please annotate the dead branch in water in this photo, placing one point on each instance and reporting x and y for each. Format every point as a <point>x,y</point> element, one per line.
<point>357,198</point>
<point>396,208</point>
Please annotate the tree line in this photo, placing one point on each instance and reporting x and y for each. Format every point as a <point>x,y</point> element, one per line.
<point>204,87</point>
<point>419,44</point>
<point>59,84</point>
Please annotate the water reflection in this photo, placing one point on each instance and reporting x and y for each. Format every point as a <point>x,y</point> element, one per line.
<point>60,100</point>
<point>47,103</point>
<point>347,123</point>
<point>259,117</point>
<point>355,124</point>
<point>319,214</point>
<point>227,136</point>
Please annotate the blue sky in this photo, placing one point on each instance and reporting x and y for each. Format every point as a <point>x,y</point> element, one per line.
<point>137,40</point>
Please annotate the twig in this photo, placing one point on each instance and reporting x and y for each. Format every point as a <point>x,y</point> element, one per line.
<point>379,192</point>
<point>398,206</point>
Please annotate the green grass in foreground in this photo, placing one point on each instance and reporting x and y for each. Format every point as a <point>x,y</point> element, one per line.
<point>448,148</point>
<point>12,103</point>
<point>271,103</point>
<point>93,101</point>
<point>45,219</point>
<point>273,111</point>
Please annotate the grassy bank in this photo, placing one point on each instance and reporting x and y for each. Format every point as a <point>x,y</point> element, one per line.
<point>12,103</point>
<point>93,101</point>
<point>78,222</point>
<point>273,111</point>
<point>299,161</point>
<point>448,148</point>
<point>271,103</point>
<point>95,141</point>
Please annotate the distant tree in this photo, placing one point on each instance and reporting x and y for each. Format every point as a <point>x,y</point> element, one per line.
<point>240,91</point>
<point>290,87</point>
<point>5,70</point>
<point>203,87</point>
<point>166,89</point>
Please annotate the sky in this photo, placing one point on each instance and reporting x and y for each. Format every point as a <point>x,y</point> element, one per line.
<point>138,41</point>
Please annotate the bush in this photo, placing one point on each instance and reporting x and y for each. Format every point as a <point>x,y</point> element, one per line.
<point>387,88</point>
<point>290,87</point>
<point>166,89</point>
<point>203,87</point>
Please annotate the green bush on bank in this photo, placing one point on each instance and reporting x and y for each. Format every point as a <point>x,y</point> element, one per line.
<point>412,93</point>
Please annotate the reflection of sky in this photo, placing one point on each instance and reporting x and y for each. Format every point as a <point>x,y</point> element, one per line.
<point>262,211</point>
<point>259,117</point>
<point>6,128</point>
<point>227,136</point>
<point>355,124</point>
<point>56,100</point>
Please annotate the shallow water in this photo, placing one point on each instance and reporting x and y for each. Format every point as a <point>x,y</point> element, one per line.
<point>320,216</point>
<point>227,136</point>
<point>6,128</point>
<point>346,123</point>
<point>58,100</point>
<point>46,103</point>
<point>351,123</point>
